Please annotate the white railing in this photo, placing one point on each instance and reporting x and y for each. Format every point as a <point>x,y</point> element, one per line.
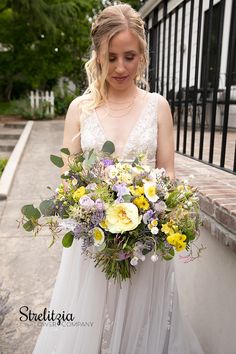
<point>39,97</point>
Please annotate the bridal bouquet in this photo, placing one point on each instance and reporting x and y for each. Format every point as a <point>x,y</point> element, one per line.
<point>121,212</point>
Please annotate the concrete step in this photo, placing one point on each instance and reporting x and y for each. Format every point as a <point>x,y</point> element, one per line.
<point>7,145</point>
<point>14,125</point>
<point>11,136</point>
<point>5,154</point>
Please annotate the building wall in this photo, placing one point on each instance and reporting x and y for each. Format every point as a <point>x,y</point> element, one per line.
<point>207,291</point>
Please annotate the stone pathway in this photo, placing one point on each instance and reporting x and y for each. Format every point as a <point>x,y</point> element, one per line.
<point>28,267</point>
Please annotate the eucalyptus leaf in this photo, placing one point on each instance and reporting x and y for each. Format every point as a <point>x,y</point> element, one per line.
<point>28,226</point>
<point>30,212</point>
<point>68,239</point>
<point>65,151</point>
<point>126,197</point>
<point>57,161</point>
<point>168,256</point>
<point>108,147</point>
<point>47,207</point>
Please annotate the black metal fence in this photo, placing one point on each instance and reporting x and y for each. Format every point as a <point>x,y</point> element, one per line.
<point>193,64</point>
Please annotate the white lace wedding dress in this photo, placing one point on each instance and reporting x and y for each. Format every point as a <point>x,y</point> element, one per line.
<point>140,317</point>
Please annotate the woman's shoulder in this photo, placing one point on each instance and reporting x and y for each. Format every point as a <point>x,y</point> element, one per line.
<point>79,100</point>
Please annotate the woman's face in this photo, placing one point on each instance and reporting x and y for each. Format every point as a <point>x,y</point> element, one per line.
<point>124,58</point>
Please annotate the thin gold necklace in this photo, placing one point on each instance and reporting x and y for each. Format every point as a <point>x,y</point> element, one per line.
<point>109,111</point>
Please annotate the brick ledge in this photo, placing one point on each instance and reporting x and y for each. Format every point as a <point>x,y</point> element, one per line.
<point>217,193</point>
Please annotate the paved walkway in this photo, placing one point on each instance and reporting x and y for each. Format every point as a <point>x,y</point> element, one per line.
<point>28,267</point>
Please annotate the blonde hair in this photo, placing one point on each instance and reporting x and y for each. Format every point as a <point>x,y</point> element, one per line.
<point>112,20</point>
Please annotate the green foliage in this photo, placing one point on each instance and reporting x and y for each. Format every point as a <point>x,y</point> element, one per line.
<point>43,40</point>
<point>47,207</point>
<point>61,103</point>
<point>30,212</point>
<point>24,110</point>
<point>68,239</point>
<point>108,147</point>
<point>3,163</point>
<point>57,161</point>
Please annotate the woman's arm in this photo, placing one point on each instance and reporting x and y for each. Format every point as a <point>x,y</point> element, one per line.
<point>71,138</point>
<point>165,138</point>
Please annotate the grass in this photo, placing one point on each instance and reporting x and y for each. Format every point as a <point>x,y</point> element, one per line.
<point>3,163</point>
<point>10,108</point>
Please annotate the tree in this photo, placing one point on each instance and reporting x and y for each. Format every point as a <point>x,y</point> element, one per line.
<point>41,41</point>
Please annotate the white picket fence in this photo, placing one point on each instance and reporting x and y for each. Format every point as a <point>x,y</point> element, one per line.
<point>36,97</point>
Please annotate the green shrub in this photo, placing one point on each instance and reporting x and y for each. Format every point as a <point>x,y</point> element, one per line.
<point>25,111</point>
<point>3,163</point>
<point>61,103</point>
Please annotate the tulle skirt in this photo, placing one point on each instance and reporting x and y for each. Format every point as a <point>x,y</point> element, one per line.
<point>141,316</point>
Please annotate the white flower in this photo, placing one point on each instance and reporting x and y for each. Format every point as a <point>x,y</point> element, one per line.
<point>66,173</point>
<point>68,224</point>
<point>111,171</point>
<point>74,182</point>
<point>154,258</point>
<point>134,261</point>
<point>98,236</point>
<point>154,230</point>
<point>150,191</point>
<point>122,217</point>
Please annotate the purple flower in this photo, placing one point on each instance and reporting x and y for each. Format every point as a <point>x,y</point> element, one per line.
<point>107,162</point>
<point>99,204</point>
<point>121,189</point>
<point>86,202</point>
<point>91,186</point>
<point>147,216</point>
<point>160,207</point>
<point>122,255</point>
<point>79,230</point>
<point>97,217</point>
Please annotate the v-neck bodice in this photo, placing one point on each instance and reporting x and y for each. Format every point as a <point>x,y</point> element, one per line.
<point>141,139</point>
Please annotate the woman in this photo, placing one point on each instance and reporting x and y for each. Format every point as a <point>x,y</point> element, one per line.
<point>141,316</point>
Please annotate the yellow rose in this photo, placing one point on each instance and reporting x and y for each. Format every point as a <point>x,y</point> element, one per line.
<point>78,193</point>
<point>122,217</point>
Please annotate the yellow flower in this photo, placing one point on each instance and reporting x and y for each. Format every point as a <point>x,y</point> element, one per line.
<point>141,202</point>
<point>177,240</point>
<point>122,217</point>
<point>150,191</point>
<point>103,224</point>
<point>138,190</point>
<point>98,236</point>
<point>167,229</point>
<point>180,246</point>
<point>171,240</point>
<point>78,193</point>
<point>180,237</point>
<point>154,222</point>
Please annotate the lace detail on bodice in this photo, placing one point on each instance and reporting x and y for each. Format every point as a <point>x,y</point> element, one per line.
<point>142,138</point>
